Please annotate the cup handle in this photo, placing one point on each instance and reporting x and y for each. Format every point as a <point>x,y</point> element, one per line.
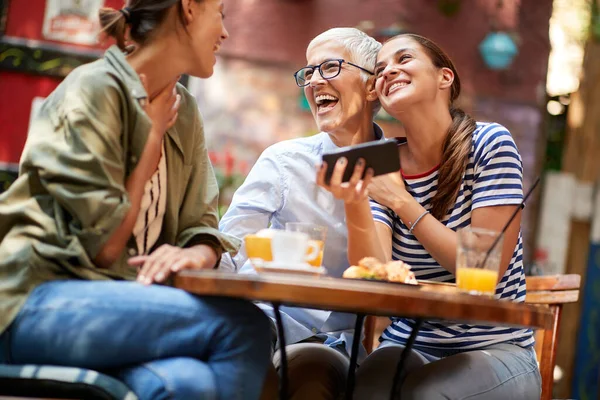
<point>314,251</point>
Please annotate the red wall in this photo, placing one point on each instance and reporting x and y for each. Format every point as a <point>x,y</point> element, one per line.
<point>280,30</point>
<point>25,18</point>
<point>17,90</point>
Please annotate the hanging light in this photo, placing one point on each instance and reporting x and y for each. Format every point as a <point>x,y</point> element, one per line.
<point>498,50</point>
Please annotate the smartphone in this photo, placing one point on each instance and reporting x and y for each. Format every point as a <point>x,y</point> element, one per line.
<point>381,155</point>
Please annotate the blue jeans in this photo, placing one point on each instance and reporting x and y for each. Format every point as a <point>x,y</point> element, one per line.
<point>162,342</point>
<point>497,372</point>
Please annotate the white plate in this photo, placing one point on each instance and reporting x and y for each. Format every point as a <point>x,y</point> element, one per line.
<point>285,268</point>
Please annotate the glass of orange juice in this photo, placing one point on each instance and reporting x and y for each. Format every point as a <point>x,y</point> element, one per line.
<point>317,235</point>
<point>258,245</point>
<point>473,275</point>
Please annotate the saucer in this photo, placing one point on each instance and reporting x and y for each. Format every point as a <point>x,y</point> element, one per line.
<point>287,268</point>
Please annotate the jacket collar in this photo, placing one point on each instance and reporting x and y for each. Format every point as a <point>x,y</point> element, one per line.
<point>117,60</point>
<point>115,57</point>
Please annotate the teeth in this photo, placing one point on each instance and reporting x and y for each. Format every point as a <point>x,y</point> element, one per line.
<point>324,97</point>
<point>217,47</point>
<point>397,84</point>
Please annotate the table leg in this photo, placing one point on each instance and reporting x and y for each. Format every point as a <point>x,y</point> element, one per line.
<point>354,356</point>
<point>404,356</point>
<point>283,369</point>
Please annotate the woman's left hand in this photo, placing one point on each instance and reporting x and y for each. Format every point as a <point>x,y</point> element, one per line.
<point>167,259</point>
<point>388,190</point>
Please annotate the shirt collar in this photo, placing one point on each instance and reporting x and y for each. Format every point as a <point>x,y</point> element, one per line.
<point>116,58</point>
<point>328,144</point>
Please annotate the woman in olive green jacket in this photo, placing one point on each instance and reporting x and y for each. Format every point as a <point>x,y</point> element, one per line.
<point>115,185</point>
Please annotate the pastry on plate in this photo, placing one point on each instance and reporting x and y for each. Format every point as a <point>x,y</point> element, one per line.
<point>375,266</point>
<point>372,268</point>
<point>358,272</point>
<point>399,271</point>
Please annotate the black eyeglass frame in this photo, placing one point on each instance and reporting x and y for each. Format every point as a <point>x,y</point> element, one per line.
<point>313,67</point>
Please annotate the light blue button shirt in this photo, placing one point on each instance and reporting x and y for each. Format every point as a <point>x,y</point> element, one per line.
<point>281,188</point>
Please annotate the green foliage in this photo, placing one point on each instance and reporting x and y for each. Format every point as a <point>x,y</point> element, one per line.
<point>595,23</point>
<point>449,7</point>
<point>7,177</point>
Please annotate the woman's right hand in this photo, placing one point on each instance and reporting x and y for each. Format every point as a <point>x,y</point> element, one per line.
<point>163,108</point>
<point>351,192</point>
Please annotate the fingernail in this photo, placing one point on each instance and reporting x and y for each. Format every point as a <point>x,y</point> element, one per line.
<point>360,162</point>
<point>141,279</point>
<point>342,161</point>
<point>160,276</point>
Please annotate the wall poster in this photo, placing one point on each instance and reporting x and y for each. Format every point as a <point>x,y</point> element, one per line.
<point>72,21</point>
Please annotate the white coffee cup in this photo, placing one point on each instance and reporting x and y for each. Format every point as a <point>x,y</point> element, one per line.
<point>292,247</point>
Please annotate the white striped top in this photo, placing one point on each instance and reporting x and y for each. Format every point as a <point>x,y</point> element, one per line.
<point>493,177</point>
<point>152,208</point>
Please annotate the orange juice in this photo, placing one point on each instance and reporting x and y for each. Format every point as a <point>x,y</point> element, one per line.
<point>476,280</point>
<point>319,258</point>
<point>258,247</point>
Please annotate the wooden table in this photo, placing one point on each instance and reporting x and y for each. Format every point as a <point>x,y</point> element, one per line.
<point>422,302</point>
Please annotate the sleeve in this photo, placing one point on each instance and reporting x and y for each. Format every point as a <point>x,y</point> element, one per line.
<point>78,158</point>
<point>382,214</point>
<point>198,215</point>
<point>498,169</point>
<point>255,202</point>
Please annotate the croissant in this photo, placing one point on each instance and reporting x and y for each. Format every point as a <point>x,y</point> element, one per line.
<point>372,268</point>
<point>375,266</point>
<point>357,272</point>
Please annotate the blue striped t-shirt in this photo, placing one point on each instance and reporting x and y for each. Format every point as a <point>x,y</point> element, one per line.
<point>493,177</point>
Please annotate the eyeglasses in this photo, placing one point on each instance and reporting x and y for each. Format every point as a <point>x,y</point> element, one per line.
<point>328,69</point>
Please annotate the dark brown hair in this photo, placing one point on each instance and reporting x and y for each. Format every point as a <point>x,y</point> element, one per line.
<point>142,16</point>
<point>457,145</point>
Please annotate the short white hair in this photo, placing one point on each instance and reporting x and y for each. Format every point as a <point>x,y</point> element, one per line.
<point>363,49</point>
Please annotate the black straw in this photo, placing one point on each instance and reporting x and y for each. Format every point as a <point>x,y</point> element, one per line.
<point>522,205</point>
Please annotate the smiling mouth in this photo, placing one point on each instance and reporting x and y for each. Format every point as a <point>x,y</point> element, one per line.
<point>397,86</point>
<point>217,48</point>
<point>325,102</point>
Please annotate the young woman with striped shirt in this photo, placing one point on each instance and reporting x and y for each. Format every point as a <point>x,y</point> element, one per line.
<point>456,173</point>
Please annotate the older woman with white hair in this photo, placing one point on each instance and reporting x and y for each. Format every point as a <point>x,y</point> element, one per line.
<point>339,85</point>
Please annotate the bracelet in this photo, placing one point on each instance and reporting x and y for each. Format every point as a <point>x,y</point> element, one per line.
<point>417,221</point>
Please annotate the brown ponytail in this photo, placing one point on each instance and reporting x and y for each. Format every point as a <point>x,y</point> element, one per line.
<point>457,145</point>
<point>142,16</point>
<point>455,155</point>
<point>113,23</point>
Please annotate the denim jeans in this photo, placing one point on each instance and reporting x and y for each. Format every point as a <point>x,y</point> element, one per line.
<point>497,372</point>
<point>162,342</point>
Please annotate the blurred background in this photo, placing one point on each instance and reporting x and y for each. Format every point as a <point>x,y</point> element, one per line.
<point>531,65</point>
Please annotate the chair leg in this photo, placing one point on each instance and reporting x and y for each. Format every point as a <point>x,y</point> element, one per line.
<point>539,344</point>
<point>549,347</point>
<point>369,333</point>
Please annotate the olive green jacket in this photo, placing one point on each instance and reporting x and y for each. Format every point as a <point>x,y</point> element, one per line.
<point>70,194</point>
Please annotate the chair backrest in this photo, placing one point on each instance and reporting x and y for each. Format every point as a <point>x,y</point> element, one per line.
<point>553,291</point>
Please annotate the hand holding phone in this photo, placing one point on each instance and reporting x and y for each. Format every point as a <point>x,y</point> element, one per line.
<point>381,156</point>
